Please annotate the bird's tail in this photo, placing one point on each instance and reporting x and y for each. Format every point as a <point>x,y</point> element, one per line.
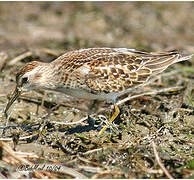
<point>185,58</point>
<point>159,62</point>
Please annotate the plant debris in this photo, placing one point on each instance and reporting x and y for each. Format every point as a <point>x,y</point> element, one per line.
<point>50,135</point>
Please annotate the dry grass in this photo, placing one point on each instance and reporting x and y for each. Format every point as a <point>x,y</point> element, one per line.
<point>157,113</point>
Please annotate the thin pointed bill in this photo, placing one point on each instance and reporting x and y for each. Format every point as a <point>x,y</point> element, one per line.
<point>15,95</point>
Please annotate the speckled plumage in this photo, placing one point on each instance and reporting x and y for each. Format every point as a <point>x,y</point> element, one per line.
<point>95,73</point>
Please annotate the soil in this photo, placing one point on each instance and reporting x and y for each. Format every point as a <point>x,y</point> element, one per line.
<point>45,128</point>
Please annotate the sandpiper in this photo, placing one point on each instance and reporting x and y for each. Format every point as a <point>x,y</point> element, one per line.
<point>94,73</point>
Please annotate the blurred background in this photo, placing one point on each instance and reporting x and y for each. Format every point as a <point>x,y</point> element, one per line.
<point>150,26</point>
<point>44,30</point>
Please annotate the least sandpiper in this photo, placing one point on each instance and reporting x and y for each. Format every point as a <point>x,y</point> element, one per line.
<point>94,73</point>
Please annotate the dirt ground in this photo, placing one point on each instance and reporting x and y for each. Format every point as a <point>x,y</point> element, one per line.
<point>153,135</point>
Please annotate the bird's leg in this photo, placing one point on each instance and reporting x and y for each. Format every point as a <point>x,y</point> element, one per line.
<point>114,116</point>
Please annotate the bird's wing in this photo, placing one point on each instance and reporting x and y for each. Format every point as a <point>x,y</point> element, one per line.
<point>113,70</point>
<point>116,72</point>
<point>116,69</point>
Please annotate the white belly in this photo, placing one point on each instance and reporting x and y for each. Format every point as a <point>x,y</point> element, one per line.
<point>80,93</point>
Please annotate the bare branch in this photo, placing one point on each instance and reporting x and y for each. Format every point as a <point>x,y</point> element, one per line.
<point>20,57</point>
<point>159,161</point>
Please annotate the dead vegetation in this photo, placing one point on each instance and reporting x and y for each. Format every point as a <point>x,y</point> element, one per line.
<point>153,136</point>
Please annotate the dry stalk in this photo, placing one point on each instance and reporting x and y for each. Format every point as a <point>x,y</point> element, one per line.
<point>19,58</point>
<point>149,93</point>
<point>3,58</point>
<point>159,161</point>
<point>19,157</point>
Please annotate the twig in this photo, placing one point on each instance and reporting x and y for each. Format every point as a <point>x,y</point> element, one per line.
<point>26,154</point>
<point>70,123</point>
<point>20,57</point>
<point>159,161</point>
<point>7,117</point>
<point>88,161</point>
<point>105,172</point>
<point>2,95</point>
<point>149,170</point>
<point>90,169</point>
<point>3,58</point>
<point>21,138</point>
<point>72,172</point>
<point>50,51</point>
<point>149,93</point>
<point>92,151</point>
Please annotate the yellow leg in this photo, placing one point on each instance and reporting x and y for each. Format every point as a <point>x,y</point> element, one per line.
<point>116,113</point>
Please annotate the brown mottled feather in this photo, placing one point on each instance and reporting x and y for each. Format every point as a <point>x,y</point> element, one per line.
<point>114,70</point>
<point>27,68</point>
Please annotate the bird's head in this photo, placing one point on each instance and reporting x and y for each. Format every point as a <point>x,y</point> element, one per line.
<point>27,78</point>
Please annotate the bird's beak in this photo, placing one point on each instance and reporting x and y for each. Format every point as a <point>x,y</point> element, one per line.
<point>14,96</point>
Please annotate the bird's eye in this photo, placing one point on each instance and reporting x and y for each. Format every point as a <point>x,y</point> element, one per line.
<point>24,80</point>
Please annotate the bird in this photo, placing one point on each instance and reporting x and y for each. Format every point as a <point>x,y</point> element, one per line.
<point>94,73</point>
